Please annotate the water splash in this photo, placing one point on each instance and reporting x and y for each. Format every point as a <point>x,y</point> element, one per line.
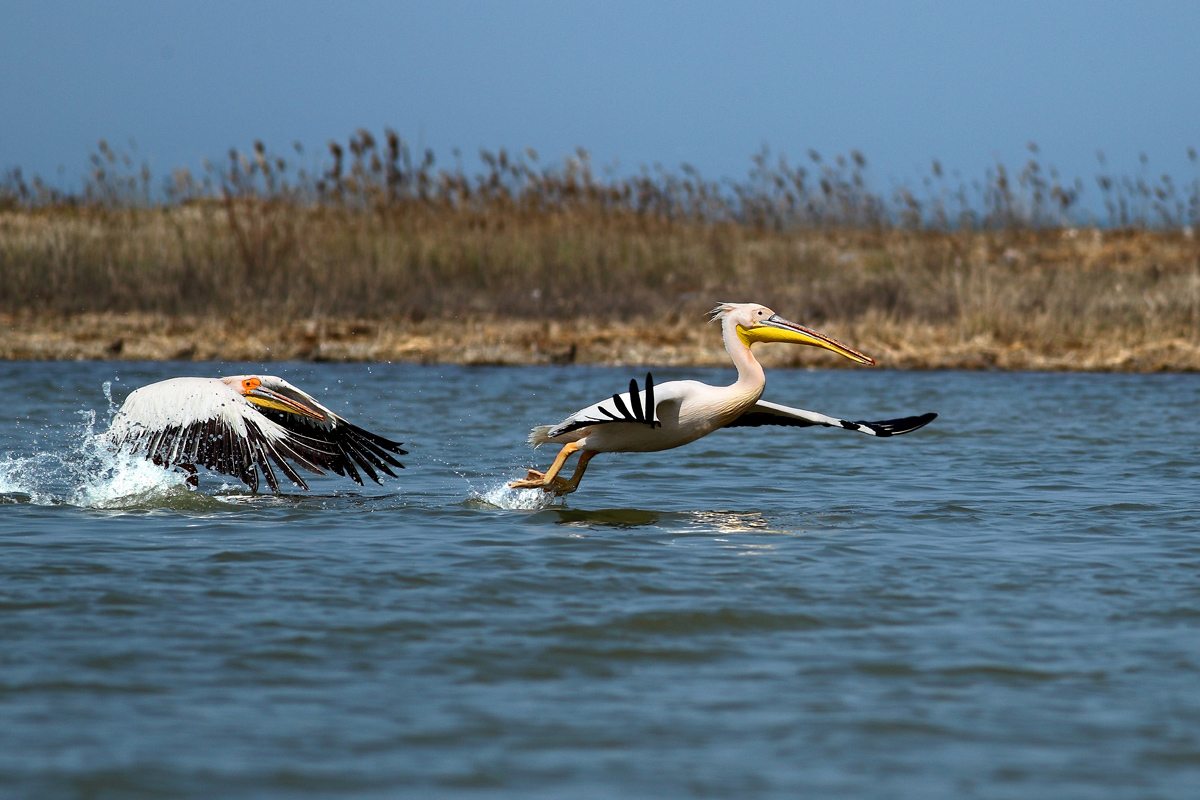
<point>504,496</point>
<point>84,471</point>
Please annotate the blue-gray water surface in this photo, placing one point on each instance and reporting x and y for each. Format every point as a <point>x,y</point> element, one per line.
<point>1005,604</point>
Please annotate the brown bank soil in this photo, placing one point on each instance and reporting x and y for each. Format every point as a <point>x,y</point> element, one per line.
<point>497,340</point>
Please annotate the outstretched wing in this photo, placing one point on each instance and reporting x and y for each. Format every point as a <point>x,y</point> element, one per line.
<point>349,443</point>
<point>631,406</point>
<point>764,413</point>
<point>204,421</point>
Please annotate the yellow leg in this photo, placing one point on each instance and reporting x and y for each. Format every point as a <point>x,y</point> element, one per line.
<point>544,480</point>
<point>566,487</point>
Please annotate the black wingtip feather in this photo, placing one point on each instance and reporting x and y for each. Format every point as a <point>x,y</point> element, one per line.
<point>377,441</point>
<point>378,458</point>
<point>896,427</point>
<point>351,472</point>
<point>342,447</point>
<point>362,458</point>
<point>620,404</point>
<point>287,469</point>
<point>633,401</point>
<point>372,443</point>
<point>650,404</point>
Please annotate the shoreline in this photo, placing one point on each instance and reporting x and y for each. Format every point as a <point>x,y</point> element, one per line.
<point>494,340</point>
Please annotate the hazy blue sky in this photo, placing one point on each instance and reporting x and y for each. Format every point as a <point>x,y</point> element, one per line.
<point>634,82</point>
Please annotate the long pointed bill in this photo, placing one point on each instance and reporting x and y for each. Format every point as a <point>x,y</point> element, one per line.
<point>262,396</point>
<point>778,329</point>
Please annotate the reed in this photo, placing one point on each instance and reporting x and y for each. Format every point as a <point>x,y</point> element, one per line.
<point>378,234</point>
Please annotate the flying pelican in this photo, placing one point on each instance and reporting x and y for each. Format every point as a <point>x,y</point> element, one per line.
<point>678,412</point>
<point>232,425</point>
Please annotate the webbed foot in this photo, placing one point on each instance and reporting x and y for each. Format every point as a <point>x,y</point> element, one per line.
<point>538,480</point>
<point>533,480</point>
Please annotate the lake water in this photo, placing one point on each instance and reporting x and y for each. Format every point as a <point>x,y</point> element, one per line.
<point>1005,604</point>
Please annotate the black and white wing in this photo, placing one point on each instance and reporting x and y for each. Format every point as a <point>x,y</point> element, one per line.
<point>205,421</point>
<point>349,444</point>
<point>631,406</point>
<point>764,413</point>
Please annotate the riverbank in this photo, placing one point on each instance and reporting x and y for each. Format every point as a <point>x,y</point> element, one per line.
<point>551,273</point>
<point>488,339</point>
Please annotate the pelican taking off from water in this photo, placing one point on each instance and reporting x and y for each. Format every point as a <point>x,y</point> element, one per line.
<point>235,425</point>
<point>675,413</point>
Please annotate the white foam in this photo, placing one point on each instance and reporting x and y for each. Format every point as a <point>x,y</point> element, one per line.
<point>15,478</point>
<point>122,478</point>
<point>86,472</point>
<point>504,496</point>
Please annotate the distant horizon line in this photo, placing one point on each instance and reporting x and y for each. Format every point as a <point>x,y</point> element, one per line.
<point>1034,190</point>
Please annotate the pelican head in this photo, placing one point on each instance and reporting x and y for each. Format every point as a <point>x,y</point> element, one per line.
<point>268,392</point>
<point>757,323</point>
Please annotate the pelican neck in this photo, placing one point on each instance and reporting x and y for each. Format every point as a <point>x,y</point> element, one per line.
<point>750,372</point>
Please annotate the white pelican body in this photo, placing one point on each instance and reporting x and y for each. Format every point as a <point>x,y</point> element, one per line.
<point>241,425</point>
<point>678,412</point>
<point>683,410</point>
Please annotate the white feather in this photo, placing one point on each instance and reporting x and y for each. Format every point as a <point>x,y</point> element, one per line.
<point>183,402</point>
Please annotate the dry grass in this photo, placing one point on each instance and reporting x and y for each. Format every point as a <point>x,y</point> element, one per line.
<point>378,257</point>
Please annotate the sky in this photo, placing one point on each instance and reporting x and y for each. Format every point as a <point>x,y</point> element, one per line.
<point>634,83</point>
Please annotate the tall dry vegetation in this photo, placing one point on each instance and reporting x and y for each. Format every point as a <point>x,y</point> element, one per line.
<point>378,232</point>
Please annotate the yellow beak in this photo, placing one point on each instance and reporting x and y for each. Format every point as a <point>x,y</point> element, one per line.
<point>778,329</point>
<point>262,396</point>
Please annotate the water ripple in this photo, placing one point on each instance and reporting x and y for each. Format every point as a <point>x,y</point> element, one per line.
<point>993,607</point>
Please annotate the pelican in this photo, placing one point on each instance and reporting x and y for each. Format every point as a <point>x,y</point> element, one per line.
<point>233,425</point>
<point>678,412</point>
